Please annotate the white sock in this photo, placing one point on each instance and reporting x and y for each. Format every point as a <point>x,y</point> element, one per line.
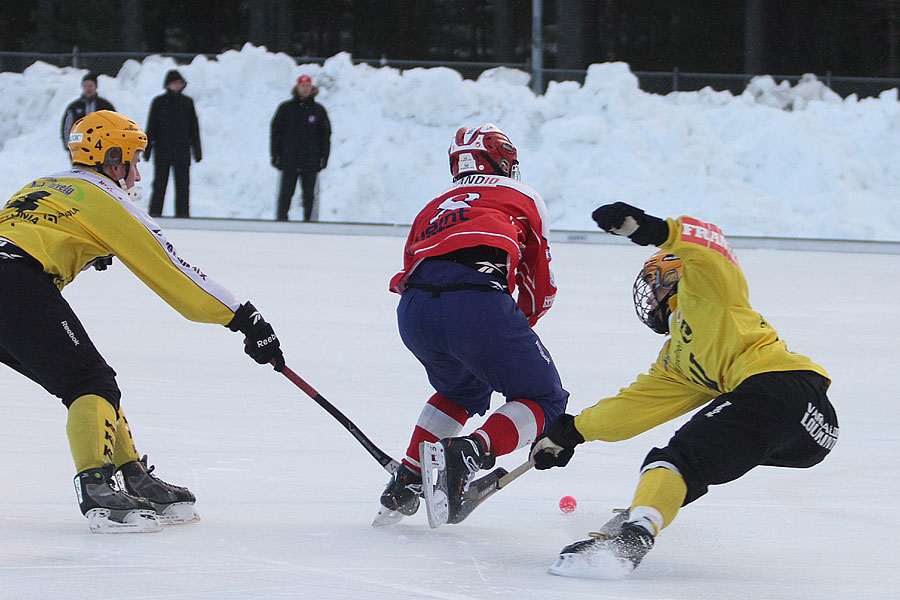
<point>646,517</point>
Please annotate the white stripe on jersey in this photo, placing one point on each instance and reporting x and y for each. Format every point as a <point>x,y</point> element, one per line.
<point>505,237</point>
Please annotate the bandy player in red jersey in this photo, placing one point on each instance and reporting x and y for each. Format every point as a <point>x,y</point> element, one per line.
<point>468,250</point>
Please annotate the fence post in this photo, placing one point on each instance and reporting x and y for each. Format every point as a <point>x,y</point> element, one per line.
<point>75,56</point>
<point>675,79</point>
<point>537,47</point>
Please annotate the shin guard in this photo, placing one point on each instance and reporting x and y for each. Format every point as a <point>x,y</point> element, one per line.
<point>512,426</point>
<point>124,450</point>
<point>662,490</point>
<point>440,418</point>
<point>92,432</point>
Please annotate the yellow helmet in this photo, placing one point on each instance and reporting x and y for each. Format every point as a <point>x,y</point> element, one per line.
<point>105,138</point>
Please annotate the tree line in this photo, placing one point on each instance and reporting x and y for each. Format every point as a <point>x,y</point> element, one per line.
<point>844,37</point>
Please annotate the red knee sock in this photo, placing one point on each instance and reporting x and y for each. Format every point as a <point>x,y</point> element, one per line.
<point>512,426</point>
<point>440,418</point>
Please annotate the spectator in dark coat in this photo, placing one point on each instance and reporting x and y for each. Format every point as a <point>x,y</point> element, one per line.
<point>172,135</point>
<point>300,143</point>
<point>88,103</point>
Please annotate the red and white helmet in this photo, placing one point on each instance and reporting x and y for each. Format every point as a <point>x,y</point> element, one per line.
<point>485,150</point>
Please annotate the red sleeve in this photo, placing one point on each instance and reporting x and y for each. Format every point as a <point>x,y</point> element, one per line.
<point>534,279</point>
<point>537,290</point>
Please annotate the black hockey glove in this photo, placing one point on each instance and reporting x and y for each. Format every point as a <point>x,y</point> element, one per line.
<point>555,447</point>
<point>260,342</point>
<point>623,219</point>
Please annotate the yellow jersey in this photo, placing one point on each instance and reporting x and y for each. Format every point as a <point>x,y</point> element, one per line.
<point>69,219</point>
<point>716,341</point>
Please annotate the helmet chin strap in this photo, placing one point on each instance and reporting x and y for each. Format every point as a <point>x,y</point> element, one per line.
<point>134,192</point>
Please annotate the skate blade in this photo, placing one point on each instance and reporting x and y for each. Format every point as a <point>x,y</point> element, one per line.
<point>593,565</point>
<point>437,505</point>
<point>386,516</point>
<point>136,521</point>
<point>179,513</point>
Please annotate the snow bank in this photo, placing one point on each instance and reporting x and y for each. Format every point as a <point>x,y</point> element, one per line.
<point>776,160</point>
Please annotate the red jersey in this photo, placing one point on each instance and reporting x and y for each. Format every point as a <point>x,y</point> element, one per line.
<point>488,210</point>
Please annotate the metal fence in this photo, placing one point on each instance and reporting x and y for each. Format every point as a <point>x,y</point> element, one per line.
<point>657,82</point>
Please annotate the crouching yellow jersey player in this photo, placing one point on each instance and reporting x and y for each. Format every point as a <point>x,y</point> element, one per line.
<point>51,230</point>
<point>761,404</point>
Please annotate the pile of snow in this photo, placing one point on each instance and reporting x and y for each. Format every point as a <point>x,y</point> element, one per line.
<point>774,161</point>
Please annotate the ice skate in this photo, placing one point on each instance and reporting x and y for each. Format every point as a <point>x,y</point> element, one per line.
<point>173,504</point>
<point>620,515</point>
<point>109,510</point>
<point>448,467</point>
<point>606,555</point>
<point>400,497</point>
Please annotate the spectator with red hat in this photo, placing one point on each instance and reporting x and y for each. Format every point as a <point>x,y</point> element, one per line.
<point>300,143</point>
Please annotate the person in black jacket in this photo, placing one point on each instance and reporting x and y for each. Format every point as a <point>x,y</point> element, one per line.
<point>172,135</point>
<point>300,143</point>
<point>88,103</point>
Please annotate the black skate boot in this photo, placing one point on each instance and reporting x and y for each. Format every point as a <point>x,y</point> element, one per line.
<point>463,457</point>
<point>173,504</point>
<point>403,491</point>
<point>606,555</point>
<point>612,527</point>
<point>109,510</point>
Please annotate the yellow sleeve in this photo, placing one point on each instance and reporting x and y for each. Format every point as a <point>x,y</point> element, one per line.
<point>67,220</point>
<point>144,250</point>
<point>654,398</point>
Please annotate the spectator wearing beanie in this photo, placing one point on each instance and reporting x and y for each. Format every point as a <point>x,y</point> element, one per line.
<point>173,134</point>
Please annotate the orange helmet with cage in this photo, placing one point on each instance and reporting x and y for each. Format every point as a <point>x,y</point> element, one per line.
<point>655,285</point>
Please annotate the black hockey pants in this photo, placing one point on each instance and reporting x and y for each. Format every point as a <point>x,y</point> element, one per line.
<point>781,419</point>
<point>41,338</point>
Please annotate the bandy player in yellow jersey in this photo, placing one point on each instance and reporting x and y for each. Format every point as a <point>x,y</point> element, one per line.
<point>51,230</point>
<point>761,404</point>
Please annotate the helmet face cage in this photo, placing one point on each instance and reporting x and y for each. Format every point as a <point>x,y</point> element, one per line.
<point>105,138</point>
<point>485,150</point>
<point>655,285</point>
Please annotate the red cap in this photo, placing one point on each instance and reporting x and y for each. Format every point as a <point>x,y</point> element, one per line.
<point>304,79</point>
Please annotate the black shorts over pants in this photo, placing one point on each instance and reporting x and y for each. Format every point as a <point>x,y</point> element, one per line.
<point>41,337</point>
<point>781,419</point>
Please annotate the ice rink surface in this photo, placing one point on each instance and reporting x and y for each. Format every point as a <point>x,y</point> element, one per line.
<point>287,495</point>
